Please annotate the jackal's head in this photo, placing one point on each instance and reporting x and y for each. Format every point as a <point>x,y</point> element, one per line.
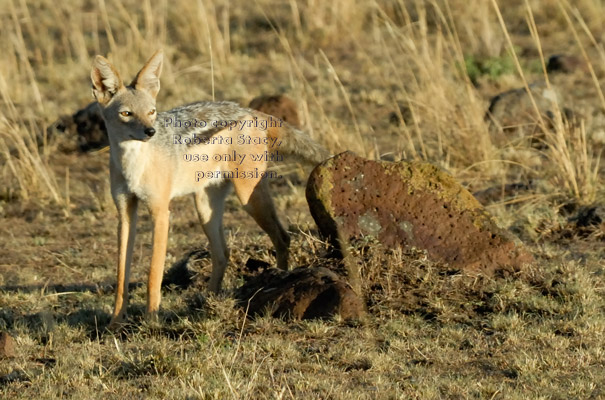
<point>129,111</point>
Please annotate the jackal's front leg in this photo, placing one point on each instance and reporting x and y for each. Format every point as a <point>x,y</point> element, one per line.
<point>160,215</point>
<point>127,212</point>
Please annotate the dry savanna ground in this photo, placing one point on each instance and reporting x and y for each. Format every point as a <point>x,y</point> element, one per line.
<point>392,79</point>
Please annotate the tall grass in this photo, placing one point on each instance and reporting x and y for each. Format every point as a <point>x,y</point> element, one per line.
<point>347,63</point>
<point>573,166</point>
<point>24,168</point>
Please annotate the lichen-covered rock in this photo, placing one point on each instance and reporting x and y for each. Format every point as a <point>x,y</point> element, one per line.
<point>408,204</point>
<point>302,293</point>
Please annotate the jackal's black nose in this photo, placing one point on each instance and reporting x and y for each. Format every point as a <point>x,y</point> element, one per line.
<point>149,132</point>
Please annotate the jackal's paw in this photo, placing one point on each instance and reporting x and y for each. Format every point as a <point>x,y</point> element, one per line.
<point>117,323</point>
<point>152,316</point>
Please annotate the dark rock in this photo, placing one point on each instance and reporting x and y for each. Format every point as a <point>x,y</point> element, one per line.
<point>183,272</point>
<point>86,126</point>
<point>362,364</point>
<point>302,293</point>
<point>566,63</point>
<point>405,113</point>
<point>279,106</point>
<point>587,220</point>
<point>7,346</point>
<point>17,376</point>
<point>409,205</point>
<point>254,265</point>
<point>520,115</point>
<point>514,109</point>
<point>46,361</point>
<point>587,216</point>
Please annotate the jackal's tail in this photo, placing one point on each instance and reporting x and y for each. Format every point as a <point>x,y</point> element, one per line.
<point>290,140</point>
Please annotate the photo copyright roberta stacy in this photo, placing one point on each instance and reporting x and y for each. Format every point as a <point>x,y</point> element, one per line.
<point>242,160</point>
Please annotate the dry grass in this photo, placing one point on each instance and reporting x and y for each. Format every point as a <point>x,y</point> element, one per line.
<point>355,68</point>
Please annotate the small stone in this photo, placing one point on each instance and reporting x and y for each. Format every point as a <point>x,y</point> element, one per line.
<point>279,106</point>
<point>566,63</point>
<point>7,346</point>
<point>516,110</point>
<point>183,272</point>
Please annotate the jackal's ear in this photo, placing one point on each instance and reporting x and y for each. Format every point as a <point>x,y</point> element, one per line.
<point>105,80</point>
<point>148,78</point>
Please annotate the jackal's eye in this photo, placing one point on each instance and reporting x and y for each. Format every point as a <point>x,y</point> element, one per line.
<point>152,112</point>
<point>125,113</point>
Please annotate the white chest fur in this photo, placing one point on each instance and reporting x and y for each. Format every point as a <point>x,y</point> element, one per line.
<point>147,171</point>
<point>134,159</point>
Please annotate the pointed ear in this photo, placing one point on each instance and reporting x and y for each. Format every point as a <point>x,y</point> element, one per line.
<point>148,78</point>
<point>105,80</point>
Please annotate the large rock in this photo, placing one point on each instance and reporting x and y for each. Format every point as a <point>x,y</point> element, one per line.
<point>302,293</point>
<point>408,204</point>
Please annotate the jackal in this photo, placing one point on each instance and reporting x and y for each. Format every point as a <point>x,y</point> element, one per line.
<point>152,160</point>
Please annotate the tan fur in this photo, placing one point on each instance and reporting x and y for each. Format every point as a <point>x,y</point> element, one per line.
<point>147,165</point>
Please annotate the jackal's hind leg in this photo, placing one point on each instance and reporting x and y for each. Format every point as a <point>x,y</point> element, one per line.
<point>210,206</point>
<point>258,203</point>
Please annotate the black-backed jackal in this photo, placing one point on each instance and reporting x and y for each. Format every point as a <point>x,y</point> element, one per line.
<point>202,149</point>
